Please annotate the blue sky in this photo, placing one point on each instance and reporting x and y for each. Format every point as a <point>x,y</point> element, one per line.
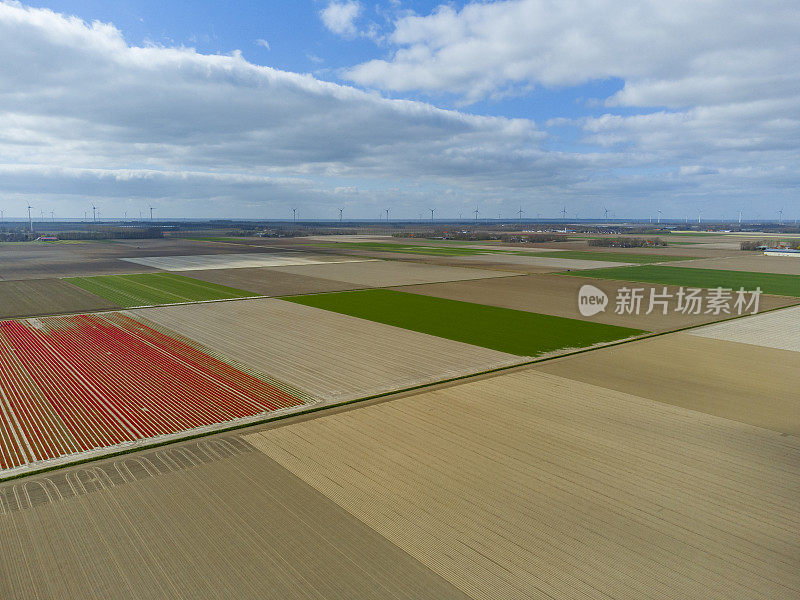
<point>224,109</point>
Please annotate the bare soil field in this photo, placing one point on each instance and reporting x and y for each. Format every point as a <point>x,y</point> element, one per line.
<point>736,381</point>
<point>331,356</point>
<point>389,273</point>
<point>42,261</point>
<point>528,485</point>
<point>212,520</point>
<point>36,297</point>
<point>556,295</point>
<point>555,263</point>
<point>779,329</point>
<point>271,282</point>
<point>755,262</point>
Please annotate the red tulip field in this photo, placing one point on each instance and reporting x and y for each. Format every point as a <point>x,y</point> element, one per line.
<point>78,383</point>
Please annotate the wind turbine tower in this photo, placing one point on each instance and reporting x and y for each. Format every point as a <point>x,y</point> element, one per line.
<point>740,216</point>
<point>30,220</point>
<point>341,210</point>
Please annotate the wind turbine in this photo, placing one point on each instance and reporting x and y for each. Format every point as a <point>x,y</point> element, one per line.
<point>30,220</point>
<point>94,213</point>
<point>659,216</point>
<point>341,210</point>
<point>151,213</point>
<point>699,215</point>
<point>2,216</point>
<point>564,213</point>
<point>387,215</point>
<point>432,211</point>
<point>476,212</point>
<point>740,216</point>
<point>605,213</point>
<point>53,216</point>
<point>520,213</point>
<point>780,217</point>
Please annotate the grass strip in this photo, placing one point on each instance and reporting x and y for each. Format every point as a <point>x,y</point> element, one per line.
<point>146,289</point>
<point>513,331</point>
<point>770,283</point>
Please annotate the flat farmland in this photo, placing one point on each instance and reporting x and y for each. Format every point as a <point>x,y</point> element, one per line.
<point>71,385</point>
<point>333,357</point>
<point>211,519</point>
<point>202,262</point>
<point>388,273</point>
<point>741,382</point>
<point>270,282</point>
<point>770,283</point>
<point>779,329</point>
<point>34,297</point>
<point>556,295</point>
<point>515,332</point>
<point>749,261</point>
<point>528,485</point>
<point>553,262</point>
<point>147,289</point>
<point>625,257</point>
<point>34,260</point>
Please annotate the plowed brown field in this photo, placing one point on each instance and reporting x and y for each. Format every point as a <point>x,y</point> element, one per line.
<point>528,485</point>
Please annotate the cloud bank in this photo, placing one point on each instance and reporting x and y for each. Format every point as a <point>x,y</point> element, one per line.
<point>86,117</point>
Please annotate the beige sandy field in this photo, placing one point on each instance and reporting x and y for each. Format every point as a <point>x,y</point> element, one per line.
<point>233,261</point>
<point>747,261</point>
<point>528,485</point>
<point>178,524</point>
<point>331,356</point>
<point>389,273</point>
<point>742,382</point>
<point>779,329</point>
<point>558,295</point>
<point>270,282</point>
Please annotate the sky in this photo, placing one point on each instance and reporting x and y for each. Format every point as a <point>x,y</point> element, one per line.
<point>252,109</point>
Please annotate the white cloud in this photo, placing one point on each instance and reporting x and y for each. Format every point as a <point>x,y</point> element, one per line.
<point>674,53</point>
<point>263,43</point>
<point>340,17</point>
<point>86,117</point>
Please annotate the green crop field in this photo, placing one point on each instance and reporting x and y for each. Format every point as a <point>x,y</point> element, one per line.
<point>154,288</point>
<point>770,283</point>
<point>513,331</point>
<point>612,256</point>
